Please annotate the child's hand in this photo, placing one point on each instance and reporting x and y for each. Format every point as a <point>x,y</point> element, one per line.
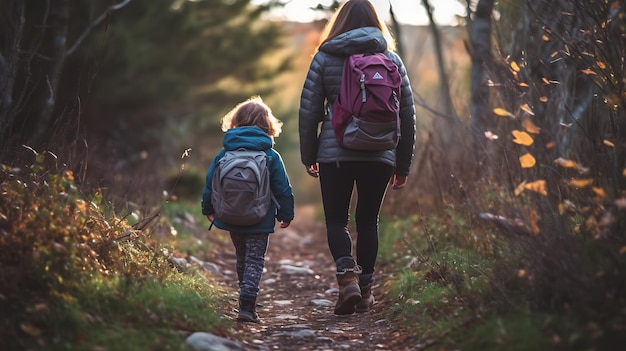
<point>210,217</point>
<point>284,224</point>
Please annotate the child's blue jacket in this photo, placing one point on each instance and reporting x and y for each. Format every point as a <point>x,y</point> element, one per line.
<point>253,138</point>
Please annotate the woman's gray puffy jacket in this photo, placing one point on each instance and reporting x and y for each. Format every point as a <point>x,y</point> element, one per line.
<point>320,91</point>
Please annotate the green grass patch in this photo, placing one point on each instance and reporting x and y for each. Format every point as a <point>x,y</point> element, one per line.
<point>79,278</point>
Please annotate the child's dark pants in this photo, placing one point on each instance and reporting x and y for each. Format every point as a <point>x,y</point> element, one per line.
<point>250,250</point>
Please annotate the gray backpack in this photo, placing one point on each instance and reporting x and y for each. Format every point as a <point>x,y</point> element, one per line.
<point>241,187</point>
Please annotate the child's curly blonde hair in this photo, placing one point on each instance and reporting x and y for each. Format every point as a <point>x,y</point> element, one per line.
<point>253,112</point>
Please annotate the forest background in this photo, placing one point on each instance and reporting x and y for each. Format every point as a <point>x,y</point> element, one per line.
<point>520,145</point>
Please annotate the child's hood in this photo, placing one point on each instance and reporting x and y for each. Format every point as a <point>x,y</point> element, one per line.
<point>248,137</point>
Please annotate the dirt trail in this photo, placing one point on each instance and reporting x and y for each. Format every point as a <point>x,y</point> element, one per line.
<point>297,297</point>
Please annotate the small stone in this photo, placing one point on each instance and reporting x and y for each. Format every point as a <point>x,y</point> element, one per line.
<point>322,303</point>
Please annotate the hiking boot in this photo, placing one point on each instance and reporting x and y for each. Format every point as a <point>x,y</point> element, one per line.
<point>247,316</point>
<point>349,291</point>
<point>367,299</point>
<point>247,306</point>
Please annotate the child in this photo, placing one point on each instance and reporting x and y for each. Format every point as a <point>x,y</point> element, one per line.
<point>252,126</point>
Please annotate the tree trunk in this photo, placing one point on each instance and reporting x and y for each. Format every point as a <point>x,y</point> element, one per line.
<point>481,116</point>
<point>53,49</point>
<point>441,67</point>
<point>12,24</point>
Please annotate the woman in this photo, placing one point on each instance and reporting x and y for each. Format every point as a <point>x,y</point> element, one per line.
<point>354,28</point>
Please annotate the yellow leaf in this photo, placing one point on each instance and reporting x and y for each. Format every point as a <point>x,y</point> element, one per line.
<point>538,186</point>
<point>522,138</point>
<point>554,54</point>
<point>601,64</point>
<point>530,126</point>
<point>565,163</point>
<point>545,80</point>
<point>514,66</point>
<point>550,145</point>
<point>68,175</point>
<point>543,99</point>
<point>502,112</point>
<point>527,109</point>
<point>545,38</point>
<point>30,329</point>
<point>534,218</point>
<point>527,161</point>
<point>608,143</point>
<point>520,188</point>
<point>580,183</point>
<point>81,205</point>
<point>522,84</point>
<point>588,71</point>
<point>598,191</point>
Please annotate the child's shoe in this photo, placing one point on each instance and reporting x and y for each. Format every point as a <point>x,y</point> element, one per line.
<point>247,306</point>
<point>247,316</point>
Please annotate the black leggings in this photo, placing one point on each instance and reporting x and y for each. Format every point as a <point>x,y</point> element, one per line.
<point>337,181</point>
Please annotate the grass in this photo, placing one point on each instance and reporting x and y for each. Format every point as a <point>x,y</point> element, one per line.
<point>462,285</point>
<point>77,277</point>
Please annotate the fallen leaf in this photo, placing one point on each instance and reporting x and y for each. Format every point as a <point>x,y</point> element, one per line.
<point>538,186</point>
<point>565,163</point>
<point>514,66</point>
<point>534,219</point>
<point>599,191</point>
<point>522,138</point>
<point>527,161</point>
<point>588,71</point>
<point>601,64</point>
<point>608,143</point>
<point>530,126</point>
<point>522,84</point>
<point>502,112</point>
<point>580,183</point>
<point>527,109</point>
<point>30,329</point>
<point>545,38</point>
<point>520,188</point>
<point>543,99</point>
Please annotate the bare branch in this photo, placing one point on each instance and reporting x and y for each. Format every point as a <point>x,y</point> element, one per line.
<point>95,23</point>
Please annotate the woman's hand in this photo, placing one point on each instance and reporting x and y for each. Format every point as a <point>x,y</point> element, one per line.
<point>398,181</point>
<point>313,170</point>
<point>284,224</point>
<point>210,217</point>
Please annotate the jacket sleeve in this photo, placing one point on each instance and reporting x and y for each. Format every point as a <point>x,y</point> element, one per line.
<point>311,113</point>
<point>207,207</point>
<point>281,188</point>
<point>406,146</point>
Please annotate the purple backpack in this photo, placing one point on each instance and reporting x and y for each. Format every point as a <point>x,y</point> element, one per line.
<point>366,112</point>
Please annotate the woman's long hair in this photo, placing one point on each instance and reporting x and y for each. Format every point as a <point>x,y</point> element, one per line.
<point>354,14</point>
